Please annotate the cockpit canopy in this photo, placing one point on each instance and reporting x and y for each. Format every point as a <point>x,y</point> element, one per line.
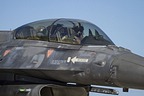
<point>70,31</point>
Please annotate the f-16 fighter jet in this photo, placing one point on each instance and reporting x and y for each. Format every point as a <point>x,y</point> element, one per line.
<point>65,57</point>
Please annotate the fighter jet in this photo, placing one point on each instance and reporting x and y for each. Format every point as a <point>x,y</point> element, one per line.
<point>65,57</point>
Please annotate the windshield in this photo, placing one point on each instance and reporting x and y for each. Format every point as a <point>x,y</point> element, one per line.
<point>70,31</point>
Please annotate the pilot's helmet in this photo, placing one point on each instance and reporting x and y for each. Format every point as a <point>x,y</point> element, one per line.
<point>79,30</point>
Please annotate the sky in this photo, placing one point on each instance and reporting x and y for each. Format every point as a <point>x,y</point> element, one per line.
<point>121,20</point>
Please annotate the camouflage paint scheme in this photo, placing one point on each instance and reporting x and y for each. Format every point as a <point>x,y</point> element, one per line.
<point>27,67</point>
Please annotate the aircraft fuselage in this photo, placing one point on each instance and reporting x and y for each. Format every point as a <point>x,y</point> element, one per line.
<point>64,51</point>
<point>63,62</point>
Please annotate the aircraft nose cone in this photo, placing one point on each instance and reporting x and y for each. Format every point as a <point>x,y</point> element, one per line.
<point>129,71</point>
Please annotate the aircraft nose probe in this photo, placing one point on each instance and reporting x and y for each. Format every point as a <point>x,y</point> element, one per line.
<point>128,71</point>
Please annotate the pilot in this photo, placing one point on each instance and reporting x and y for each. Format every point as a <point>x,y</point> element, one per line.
<point>78,33</point>
<point>41,32</point>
